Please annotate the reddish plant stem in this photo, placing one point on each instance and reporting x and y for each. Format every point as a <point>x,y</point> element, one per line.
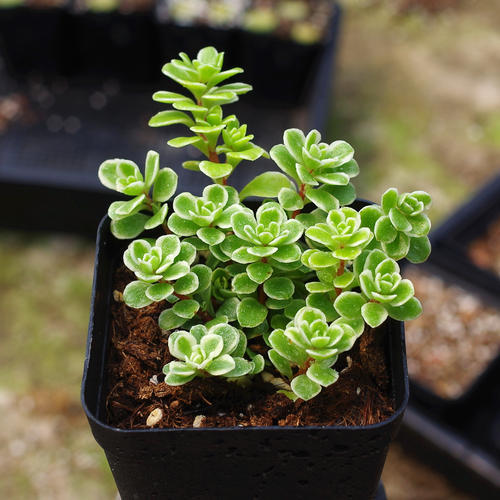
<point>340,272</point>
<point>262,294</point>
<point>304,367</point>
<point>302,194</point>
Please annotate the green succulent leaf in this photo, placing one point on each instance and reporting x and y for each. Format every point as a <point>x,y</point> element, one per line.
<point>266,185</point>
<point>135,296</point>
<point>374,314</point>
<point>129,227</point>
<point>279,288</point>
<point>251,312</point>
<point>349,304</point>
<point>305,388</point>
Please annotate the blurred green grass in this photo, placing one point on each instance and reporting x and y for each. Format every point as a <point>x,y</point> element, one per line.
<point>418,96</point>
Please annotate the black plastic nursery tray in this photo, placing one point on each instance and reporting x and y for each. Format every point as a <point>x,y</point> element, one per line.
<point>131,45</point>
<point>459,437</point>
<point>49,162</point>
<point>467,224</point>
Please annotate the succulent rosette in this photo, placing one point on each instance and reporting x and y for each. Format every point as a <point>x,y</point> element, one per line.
<point>401,225</point>
<point>313,345</point>
<point>312,163</point>
<point>205,216</point>
<point>161,267</point>
<point>383,292</point>
<point>125,177</point>
<point>342,234</point>
<point>269,238</point>
<point>214,351</point>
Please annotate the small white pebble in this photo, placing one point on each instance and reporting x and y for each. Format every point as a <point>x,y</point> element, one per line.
<point>241,415</point>
<point>154,379</point>
<point>198,420</point>
<point>154,417</point>
<point>358,391</point>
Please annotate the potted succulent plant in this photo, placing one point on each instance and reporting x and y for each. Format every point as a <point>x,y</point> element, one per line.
<point>248,345</point>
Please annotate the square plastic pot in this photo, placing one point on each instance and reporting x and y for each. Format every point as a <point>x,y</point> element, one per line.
<point>32,40</point>
<point>251,462</point>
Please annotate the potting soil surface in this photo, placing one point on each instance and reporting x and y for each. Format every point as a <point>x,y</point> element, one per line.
<point>139,350</point>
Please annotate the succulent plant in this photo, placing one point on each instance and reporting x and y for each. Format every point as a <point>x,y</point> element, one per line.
<point>300,284</point>
<point>383,292</point>
<point>215,351</point>
<point>401,225</point>
<point>312,345</point>
<point>202,77</point>
<point>204,215</point>
<point>342,233</point>
<point>269,237</point>
<point>157,267</point>
<point>313,163</point>
<point>124,176</point>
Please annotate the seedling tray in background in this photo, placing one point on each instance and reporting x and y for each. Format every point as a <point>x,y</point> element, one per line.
<point>460,437</point>
<point>467,224</point>
<point>48,167</point>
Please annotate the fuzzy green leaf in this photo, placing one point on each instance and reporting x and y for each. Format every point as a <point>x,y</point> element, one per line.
<point>186,308</point>
<point>374,314</point>
<point>266,185</point>
<point>409,310</point>
<point>305,388</point>
<point>251,312</point>
<point>165,185</point>
<point>349,304</point>
<point>215,170</point>
<point>135,296</point>
<point>281,364</point>
<point>289,199</point>
<point>322,374</point>
<point>168,320</point>
<point>279,288</point>
<point>187,284</point>
<point>259,272</point>
<point>420,249</point>
<point>159,291</point>
<point>242,284</point>
<point>129,227</point>
<point>157,219</point>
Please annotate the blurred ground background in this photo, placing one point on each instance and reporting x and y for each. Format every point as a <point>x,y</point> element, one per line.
<point>418,96</point>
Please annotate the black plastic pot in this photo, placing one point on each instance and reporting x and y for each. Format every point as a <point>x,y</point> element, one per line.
<point>257,463</point>
<point>113,45</point>
<point>32,40</point>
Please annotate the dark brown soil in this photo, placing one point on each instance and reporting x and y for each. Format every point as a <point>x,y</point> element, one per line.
<point>361,396</point>
<point>484,251</point>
